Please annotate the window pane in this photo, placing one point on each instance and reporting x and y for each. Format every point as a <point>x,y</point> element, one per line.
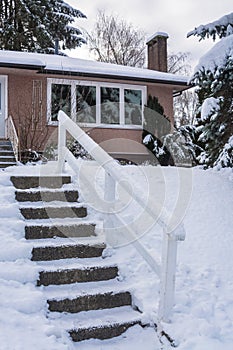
<point>86,104</point>
<point>133,107</point>
<point>61,99</point>
<point>110,105</point>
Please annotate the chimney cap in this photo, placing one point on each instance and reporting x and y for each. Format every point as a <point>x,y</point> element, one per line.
<point>153,37</point>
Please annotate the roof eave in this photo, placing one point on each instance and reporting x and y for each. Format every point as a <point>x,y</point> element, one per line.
<point>22,66</point>
<point>115,77</point>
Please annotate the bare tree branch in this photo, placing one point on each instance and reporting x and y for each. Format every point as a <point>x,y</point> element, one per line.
<point>113,40</point>
<point>185,105</point>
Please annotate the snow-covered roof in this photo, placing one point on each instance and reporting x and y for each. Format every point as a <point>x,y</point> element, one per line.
<point>77,66</point>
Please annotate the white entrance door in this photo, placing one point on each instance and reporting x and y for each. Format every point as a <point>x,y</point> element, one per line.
<point>3,107</point>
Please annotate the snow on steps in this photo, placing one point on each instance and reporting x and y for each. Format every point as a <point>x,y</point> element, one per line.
<point>101,324</point>
<point>67,251</point>
<point>46,196</point>
<point>59,211</point>
<point>72,230</point>
<point>70,286</point>
<point>88,302</point>
<point>7,157</point>
<point>67,276</point>
<point>6,164</point>
<point>5,152</point>
<point>28,182</point>
<point>64,291</point>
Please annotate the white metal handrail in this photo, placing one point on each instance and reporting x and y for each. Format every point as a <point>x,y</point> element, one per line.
<point>173,232</point>
<point>12,135</point>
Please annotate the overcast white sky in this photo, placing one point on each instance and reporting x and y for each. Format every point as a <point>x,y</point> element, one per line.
<point>176,17</point>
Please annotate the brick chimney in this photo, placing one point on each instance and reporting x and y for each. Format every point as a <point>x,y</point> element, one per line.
<point>157,51</point>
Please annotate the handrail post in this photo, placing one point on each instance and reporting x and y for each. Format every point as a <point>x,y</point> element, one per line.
<point>61,147</point>
<point>109,197</point>
<point>168,273</point>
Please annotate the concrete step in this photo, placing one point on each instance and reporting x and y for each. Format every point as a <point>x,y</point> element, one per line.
<point>6,153</point>
<point>4,141</point>
<point>67,252</point>
<point>69,276</point>
<point>90,302</point>
<point>47,196</point>
<point>76,290</point>
<point>5,147</point>
<point>72,231</point>
<point>6,164</point>
<point>7,159</point>
<point>101,332</point>
<point>99,324</point>
<point>54,212</point>
<point>27,182</point>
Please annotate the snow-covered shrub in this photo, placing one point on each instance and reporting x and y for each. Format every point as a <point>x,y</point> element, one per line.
<point>156,126</point>
<point>225,158</point>
<point>182,145</point>
<point>78,151</point>
<point>160,151</point>
<point>177,148</point>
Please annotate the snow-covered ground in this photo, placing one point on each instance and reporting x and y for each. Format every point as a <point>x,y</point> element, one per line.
<point>203,313</point>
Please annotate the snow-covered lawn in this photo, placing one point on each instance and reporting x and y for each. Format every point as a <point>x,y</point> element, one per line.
<point>203,314</point>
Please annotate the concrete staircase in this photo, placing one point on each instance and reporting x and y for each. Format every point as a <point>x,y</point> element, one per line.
<point>7,157</point>
<point>83,291</point>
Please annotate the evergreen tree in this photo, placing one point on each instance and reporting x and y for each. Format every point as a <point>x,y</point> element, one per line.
<point>214,78</point>
<point>182,145</point>
<point>155,121</point>
<point>156,126</point>
<point>170,147</point>
<point>35,25</point>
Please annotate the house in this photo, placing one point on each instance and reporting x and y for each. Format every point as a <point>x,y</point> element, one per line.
<point>107,100</point>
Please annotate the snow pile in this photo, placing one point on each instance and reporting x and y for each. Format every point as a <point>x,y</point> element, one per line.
<point>203,317</point>
<point>209,106</point>
<point>203,314</point>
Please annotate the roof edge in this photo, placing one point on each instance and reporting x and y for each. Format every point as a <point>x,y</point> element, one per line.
<point>22,66</point>
<point>116,77</point>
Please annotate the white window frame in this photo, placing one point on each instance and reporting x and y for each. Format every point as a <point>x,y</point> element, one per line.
<point>98,86</point>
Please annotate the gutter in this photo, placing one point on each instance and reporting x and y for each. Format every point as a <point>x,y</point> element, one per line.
<point>22,66</point>
<point>112,76</point>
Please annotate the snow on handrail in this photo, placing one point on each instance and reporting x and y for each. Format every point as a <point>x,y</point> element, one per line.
<point>115,171</point>
<point>173,229</point>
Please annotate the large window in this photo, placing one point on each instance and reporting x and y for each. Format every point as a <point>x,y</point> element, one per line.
<point>60,99</point>
<point>133,106</point>
<point>89,103</point>
<point>110,105</point>
<point>85,104</point>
